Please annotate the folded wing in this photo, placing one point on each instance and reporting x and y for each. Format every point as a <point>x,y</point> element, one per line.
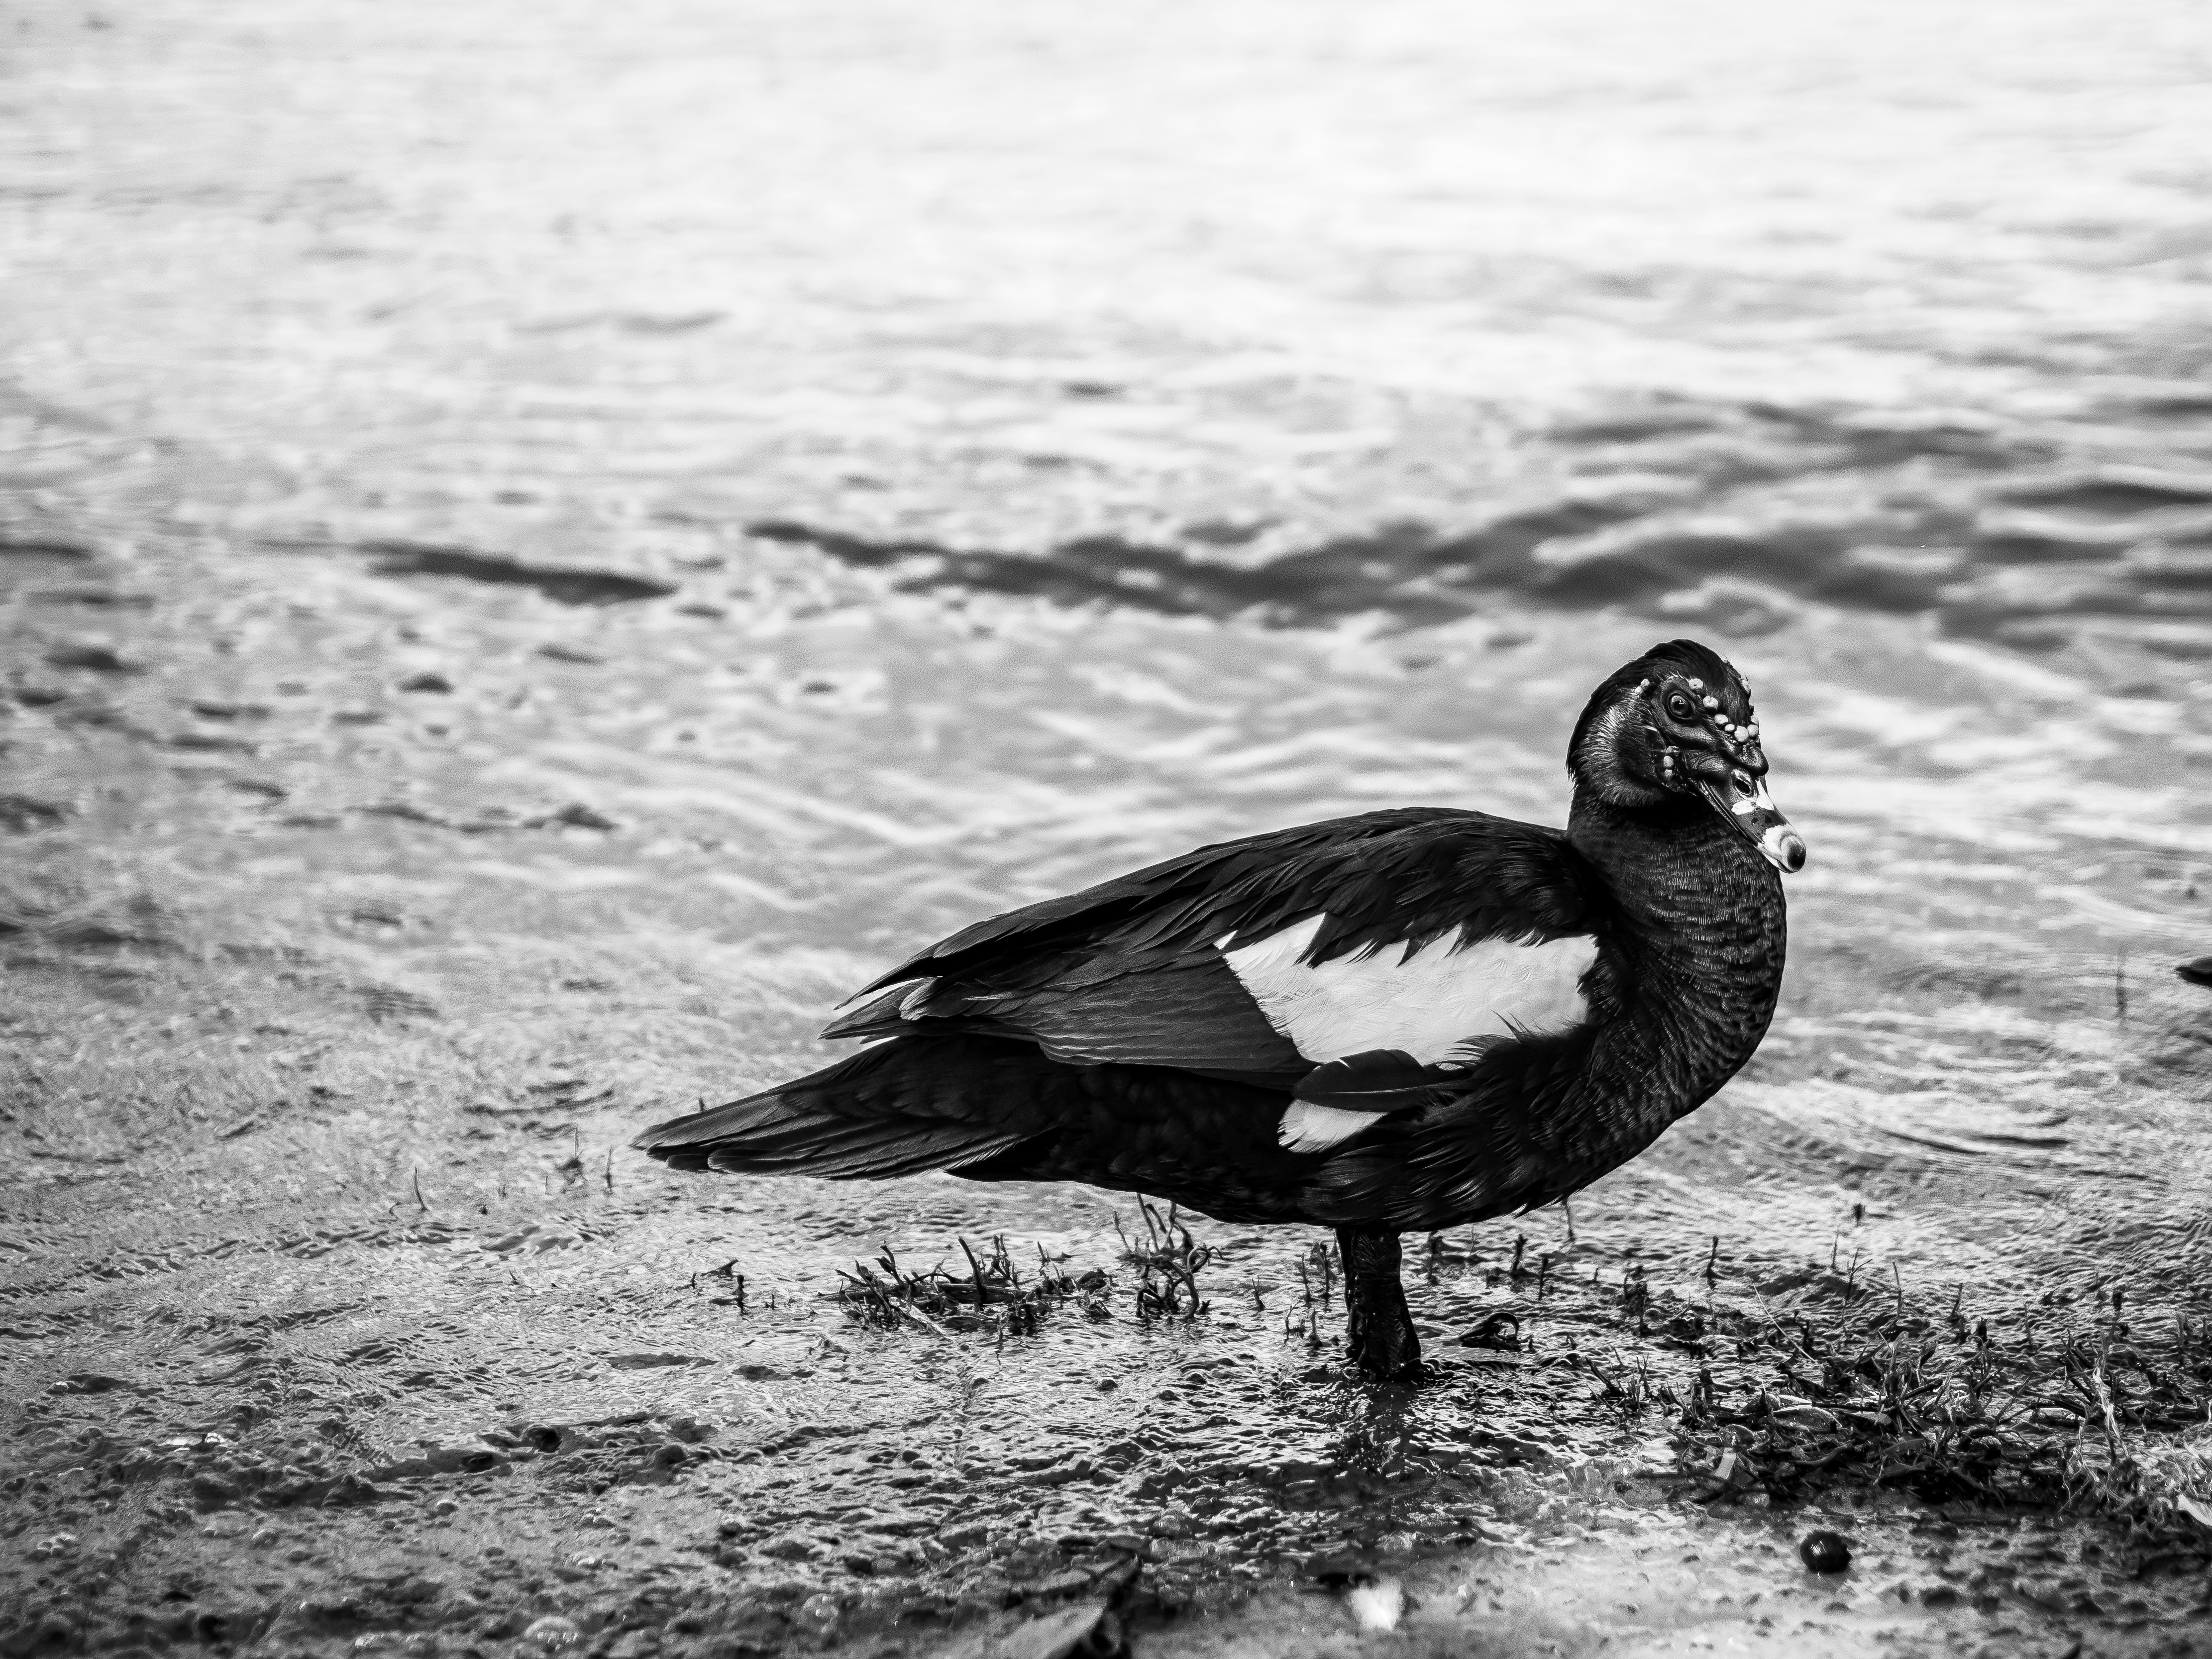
<point>1421,932</point>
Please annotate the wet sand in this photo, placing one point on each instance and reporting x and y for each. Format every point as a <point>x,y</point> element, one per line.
<point>539,552</point>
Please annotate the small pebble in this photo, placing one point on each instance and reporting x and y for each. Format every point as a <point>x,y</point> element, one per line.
<point>1824,1552</point>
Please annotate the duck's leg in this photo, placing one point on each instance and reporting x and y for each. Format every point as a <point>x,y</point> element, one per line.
<point>1381,1331</point>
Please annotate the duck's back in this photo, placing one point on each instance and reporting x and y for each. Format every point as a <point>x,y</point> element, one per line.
<point>1419,930</point>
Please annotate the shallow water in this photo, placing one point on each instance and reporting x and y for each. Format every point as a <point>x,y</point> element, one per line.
<point>880,467</point>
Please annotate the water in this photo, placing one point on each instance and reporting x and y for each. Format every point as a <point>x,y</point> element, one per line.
<point>891,465</point>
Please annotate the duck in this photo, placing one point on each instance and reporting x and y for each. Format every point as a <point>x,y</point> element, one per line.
<point>1405,1020</point>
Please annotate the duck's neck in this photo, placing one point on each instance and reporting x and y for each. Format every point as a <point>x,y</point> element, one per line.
<point>1704,938</point>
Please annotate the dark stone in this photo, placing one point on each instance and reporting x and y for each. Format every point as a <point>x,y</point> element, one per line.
<point>1824,1552</point>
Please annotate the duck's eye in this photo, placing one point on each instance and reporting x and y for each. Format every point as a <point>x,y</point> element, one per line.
<point>1678,707</point>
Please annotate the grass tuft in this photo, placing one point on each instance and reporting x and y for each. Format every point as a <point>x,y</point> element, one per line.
<point>992,1295</point>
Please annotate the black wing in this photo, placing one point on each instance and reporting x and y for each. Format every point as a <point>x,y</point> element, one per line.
<point>1131,971</point>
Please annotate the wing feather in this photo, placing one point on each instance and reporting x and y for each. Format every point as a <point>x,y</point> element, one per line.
<point>1132,970</point>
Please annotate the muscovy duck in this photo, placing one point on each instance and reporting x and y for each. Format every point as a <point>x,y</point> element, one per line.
<point>1405,1020</point>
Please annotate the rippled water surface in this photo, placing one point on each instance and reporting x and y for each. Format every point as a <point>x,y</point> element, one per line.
<point>540,546</point>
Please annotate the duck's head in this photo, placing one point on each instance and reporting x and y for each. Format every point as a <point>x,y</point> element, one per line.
<point>1678,721</point>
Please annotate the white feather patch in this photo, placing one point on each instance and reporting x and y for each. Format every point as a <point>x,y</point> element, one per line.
<point>1309,1128</point>
<point>1426,1002</point>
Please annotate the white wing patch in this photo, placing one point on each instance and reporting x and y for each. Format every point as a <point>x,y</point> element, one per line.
<point>1309,1128</point>
<point>1425,1002</point>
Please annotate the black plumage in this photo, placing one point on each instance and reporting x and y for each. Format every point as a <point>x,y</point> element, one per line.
<point>1131,971</point>
<point>1115,1037</point>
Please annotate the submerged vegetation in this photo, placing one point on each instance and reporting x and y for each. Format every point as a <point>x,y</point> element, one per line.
<point>1844,1384</point>
<point>990,1295</point>
<point>1168,1261</point>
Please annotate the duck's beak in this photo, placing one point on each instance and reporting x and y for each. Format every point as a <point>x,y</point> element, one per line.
<point>1742,798</point>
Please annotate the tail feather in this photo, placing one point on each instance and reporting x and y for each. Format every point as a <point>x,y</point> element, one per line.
<point>878,1017</point>
<point>817,1143</point>
<point>992,1108</point>
<point>871,1117</point>
<point>867,1156</point>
